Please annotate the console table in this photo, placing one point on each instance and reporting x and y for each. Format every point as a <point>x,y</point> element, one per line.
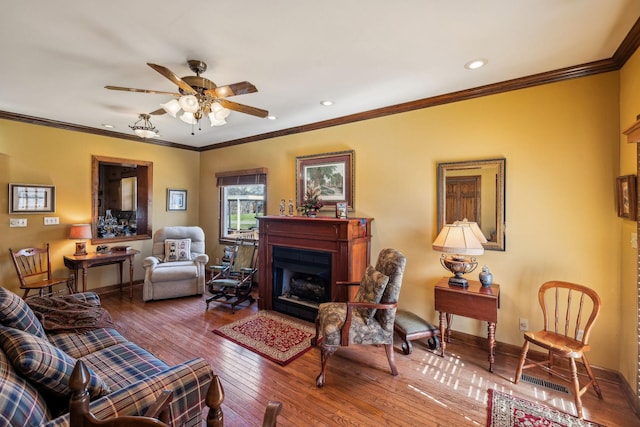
<point>85,262</point>
<point>475,301</point>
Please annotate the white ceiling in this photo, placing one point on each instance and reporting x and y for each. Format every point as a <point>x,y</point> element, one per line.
<point>57,56</point>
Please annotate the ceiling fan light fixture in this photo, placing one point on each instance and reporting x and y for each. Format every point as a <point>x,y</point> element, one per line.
<point>145,129</point>
<point>172,107</point>
<point>188,118</point>
<point>189,103</point>
<point>216,122</point>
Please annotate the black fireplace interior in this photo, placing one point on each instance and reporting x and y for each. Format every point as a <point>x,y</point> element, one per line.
<point>301,281</point>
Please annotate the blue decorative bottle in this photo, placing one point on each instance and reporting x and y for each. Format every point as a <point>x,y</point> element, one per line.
<point>486,278</point>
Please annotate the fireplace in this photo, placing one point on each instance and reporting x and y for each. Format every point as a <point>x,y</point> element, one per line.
<point>301,281</point>
<point>300,261</point>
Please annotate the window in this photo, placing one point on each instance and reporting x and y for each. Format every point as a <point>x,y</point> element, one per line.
<point>242,199</point>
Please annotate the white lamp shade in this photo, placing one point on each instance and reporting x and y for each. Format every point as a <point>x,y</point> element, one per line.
<point>145,133</point>
<point>215,121</point>
<point>458,239</point>
<point>189,103</point>
<point>172,107</point>
<point>475,228</point>
<point>80,231</point>
<point>188,118</point>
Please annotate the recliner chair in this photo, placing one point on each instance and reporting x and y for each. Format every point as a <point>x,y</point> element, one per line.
<point>177,265</point>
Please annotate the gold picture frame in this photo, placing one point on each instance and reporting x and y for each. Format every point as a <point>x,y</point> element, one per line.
<point>332,173</point>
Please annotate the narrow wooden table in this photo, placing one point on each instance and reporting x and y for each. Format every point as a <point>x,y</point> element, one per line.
<point>95,259</point>
<point>476,302</point>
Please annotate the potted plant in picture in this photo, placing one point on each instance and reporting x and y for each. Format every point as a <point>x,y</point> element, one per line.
<point>311,203</point>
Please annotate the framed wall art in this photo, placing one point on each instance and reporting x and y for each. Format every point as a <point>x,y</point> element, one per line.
<point>176,200</point>
<point>626,196</point>
<point>29,198</point>
<point>331,175</point>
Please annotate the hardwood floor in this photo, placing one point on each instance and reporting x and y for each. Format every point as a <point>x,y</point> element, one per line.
<point>359,390</point>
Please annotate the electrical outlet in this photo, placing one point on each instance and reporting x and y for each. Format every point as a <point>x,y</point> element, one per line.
<point>17,222</point>
<point>580,334</point>
<point>51,220</point>
<point>524,324</point>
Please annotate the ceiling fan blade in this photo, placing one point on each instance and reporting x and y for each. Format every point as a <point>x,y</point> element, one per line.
<point>130,89</point>
<point>243,108</point>
<point>234,89</point>
<point>174,78</point>
<point>158,112</point>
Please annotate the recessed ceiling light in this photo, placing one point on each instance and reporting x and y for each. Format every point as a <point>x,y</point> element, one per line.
<point>326,103</point>
<point>271,117</point>
<point>476,63</point>
<point>108,126</point>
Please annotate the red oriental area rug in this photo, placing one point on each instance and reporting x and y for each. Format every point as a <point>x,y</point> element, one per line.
<point>505,411</point>
<point>273,336</point>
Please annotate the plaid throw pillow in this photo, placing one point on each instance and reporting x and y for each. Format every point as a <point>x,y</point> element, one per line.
<point>15,313</point>
<point>43,364</point>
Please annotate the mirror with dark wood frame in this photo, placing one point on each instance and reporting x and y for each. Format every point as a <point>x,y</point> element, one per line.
<point>474,190</point>
<point>121,191</point>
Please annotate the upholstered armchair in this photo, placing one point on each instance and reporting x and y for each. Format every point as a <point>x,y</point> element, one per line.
<point>367,320</point>
<point>176,267</point>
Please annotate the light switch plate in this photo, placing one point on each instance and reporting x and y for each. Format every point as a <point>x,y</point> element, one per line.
<point>51,220</point>
<point>17,222</point>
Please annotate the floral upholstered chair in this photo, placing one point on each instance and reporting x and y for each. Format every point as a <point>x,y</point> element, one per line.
<point>367,320</point>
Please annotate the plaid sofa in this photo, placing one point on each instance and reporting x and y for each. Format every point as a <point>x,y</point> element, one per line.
<point>125,379</point>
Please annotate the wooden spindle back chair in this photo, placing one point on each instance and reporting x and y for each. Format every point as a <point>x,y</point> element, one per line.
<point>33,266</point>
<point>569,311</point>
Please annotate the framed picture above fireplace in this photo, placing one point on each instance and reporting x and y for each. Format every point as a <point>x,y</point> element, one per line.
<point>329,174</point>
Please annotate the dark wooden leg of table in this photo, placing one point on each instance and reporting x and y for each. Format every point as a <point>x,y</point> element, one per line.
<point>120,271</point>
<point>449,322</point>
<point>492,344</point>
<point>84,278</point>
<point>443,344</point>
<point>131,276</point>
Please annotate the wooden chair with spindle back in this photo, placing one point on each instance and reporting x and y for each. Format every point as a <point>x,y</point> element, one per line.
<point>567,327</point>
<point>33,266</point>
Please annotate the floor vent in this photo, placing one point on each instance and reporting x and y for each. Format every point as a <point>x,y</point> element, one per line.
<point>543,383</point>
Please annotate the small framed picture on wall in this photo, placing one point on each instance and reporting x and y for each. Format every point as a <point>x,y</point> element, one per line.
<point>176,200</point>
<point>626,197</point>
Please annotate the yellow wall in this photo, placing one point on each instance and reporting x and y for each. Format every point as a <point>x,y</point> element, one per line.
<point>629,109</point>
<point>561,142</point>
<point>42,155</point>
<point>561,145</point>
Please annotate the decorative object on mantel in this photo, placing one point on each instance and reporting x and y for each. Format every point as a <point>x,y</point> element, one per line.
<point>276,337</point>
<point>290,208</point>
<point>341,210</point>
<point>485,276</point>
<point>626,197</point>
<point>332,174</point>
<point>311,203</point>
<point>459,239</point>
<point>505,410</point>
<point>281,207</point>
<point>80,232</point>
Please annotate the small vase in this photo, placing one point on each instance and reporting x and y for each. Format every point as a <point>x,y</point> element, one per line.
<point>486,278</point>
<point>312,213</point>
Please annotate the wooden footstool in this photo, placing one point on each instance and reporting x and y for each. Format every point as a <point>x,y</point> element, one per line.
<point>412,327</point>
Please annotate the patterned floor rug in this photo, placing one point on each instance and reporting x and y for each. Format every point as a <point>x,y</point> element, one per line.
<point>505,410</point>
<point>276,337</point>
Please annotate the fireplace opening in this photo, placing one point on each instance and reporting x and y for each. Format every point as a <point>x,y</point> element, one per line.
<point>301,281</point>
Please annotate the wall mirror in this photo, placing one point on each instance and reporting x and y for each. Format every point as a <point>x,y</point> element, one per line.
<point>121,192</point>
<point>474,190</point>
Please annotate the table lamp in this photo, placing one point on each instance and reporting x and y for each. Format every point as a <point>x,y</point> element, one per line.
<point>459,239</point>
<point>80,232</point>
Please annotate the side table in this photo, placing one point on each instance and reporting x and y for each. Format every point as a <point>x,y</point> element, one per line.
<point>84,262</point>
<point>475,301</point>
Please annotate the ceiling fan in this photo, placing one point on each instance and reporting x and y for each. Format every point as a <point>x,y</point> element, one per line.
<point>198,96</point>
